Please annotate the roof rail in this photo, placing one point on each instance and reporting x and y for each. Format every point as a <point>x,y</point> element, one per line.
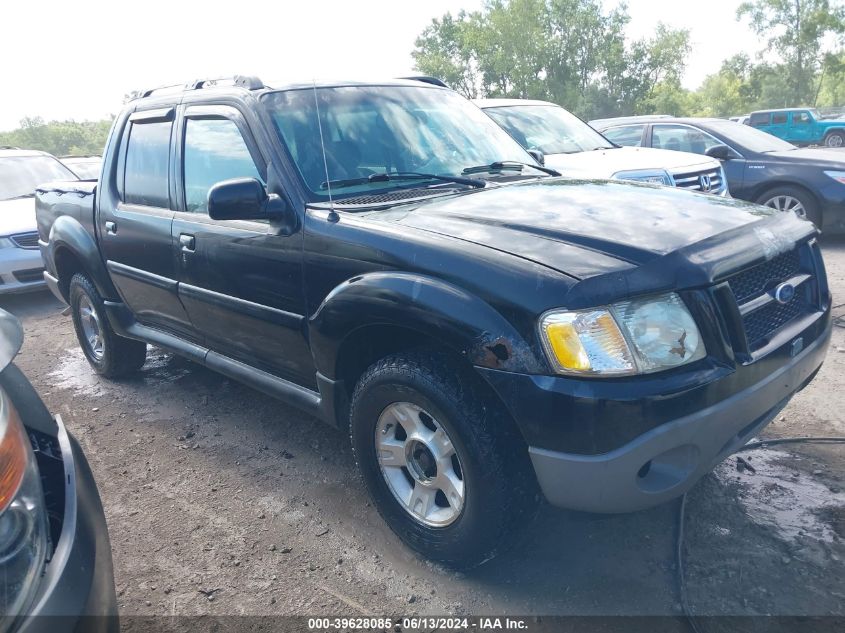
<point>8,147</point>
<point>248,82</point>
<point>427,79</point>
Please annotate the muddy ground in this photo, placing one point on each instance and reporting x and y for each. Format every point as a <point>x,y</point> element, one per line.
<point>221,500</point>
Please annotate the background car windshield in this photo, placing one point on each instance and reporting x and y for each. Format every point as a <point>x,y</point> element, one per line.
<point>85,168</point>
<point>20,175</point>
<point>550,129</point>
<point>373,130</point>
<point>749,137</point>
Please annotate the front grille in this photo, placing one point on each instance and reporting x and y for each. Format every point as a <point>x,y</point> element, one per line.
<point>753,290</point>
<point>29,275</point>
<point>754,281</point>
<point>26,240</point>
<point>697,180</point>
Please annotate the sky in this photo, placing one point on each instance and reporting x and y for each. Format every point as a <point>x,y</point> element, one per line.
<point>77,59</point>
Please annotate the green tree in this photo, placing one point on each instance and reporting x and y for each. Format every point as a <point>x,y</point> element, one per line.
<point>571,52</point>
<point>60,138</point>
<point>797,30</point>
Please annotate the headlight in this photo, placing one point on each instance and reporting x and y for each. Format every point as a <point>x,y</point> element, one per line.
<point>23,522</point>
<point>838,176</point>
<point>656,176</point>
<point>630,337</point>
<point>5,242</point>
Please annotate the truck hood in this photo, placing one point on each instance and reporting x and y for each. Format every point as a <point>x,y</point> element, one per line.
<point>17,216</point>
<point>588,229</point>
<point>605,163</point>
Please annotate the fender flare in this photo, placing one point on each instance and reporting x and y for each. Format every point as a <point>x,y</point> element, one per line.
<point>456,318</point>
<point>67,233</point>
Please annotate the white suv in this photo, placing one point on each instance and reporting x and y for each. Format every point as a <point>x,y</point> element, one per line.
<point>21,171</point>
<point>575,149</point>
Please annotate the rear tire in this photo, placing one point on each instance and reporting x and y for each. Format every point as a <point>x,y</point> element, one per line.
<point>110,355</point>
<point>835,139</point>
<point>488,490</point>
<point>792,199</point>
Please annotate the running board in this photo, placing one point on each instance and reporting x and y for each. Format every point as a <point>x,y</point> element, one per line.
<point>124,324</point>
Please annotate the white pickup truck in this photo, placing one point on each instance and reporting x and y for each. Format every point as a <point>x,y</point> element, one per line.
<point>568,144</point>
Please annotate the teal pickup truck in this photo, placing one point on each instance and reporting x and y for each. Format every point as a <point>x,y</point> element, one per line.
<point>800,126</point>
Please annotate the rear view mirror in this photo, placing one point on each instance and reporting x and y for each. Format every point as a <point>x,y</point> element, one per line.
<point>721,152</point>
<point>243,199</point>
<point>537,155</point>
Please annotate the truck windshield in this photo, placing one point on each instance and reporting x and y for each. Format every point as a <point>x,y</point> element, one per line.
<point>549,128</point>
<point>20,175</point>
<point>369,130</point>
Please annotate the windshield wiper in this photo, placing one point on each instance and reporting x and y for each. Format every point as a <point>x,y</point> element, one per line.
<point>401,175</point>
<point>508,165</point>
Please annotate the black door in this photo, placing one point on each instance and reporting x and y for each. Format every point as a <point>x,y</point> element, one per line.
<point>135,233</point>
<point>240,281</point>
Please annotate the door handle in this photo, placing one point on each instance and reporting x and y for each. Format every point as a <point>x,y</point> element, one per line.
<point>111,227</point>
<point>188,242</point>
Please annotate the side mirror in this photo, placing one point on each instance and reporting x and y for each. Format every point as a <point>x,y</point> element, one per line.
<point>721,152</point>
<point>243,199</point>
<point>537,155</point>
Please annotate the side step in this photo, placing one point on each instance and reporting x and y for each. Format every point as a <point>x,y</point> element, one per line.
<point>303,398</point>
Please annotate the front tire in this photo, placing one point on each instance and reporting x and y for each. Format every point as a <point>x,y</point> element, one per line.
<point>792,199</point>
<point>110,355</point>
<point>835,139</point>
<point>445,466</point>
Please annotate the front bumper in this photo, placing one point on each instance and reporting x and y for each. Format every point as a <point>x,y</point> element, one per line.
<point>21,270</point>
<point>666,460</point>
<point>76,592</point>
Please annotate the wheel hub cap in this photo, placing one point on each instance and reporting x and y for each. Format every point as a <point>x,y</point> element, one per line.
<point>420,465</point>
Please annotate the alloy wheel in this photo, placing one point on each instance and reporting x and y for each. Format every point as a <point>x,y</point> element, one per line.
<point>420,465</point>
<point>787,203</point>
<point>90,322</point>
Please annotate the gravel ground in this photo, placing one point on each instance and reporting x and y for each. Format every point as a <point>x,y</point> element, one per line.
<point>221,500</point>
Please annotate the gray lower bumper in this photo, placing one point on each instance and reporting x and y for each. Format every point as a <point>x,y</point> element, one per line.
<point>665,462</point>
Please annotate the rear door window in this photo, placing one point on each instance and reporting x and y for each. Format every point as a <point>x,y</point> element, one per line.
<point>629,135</point>
<point>682,138</point>
<point>759,118</point>
<point>147,164</point>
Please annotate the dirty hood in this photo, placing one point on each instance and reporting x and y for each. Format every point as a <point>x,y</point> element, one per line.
<point>17,216</point>
<point>589,229</point>
<point>607,162</point>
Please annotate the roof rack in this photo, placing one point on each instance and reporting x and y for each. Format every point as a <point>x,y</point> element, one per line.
<point>248,82</point>
<point>8,147</point>
<point>427,79</point>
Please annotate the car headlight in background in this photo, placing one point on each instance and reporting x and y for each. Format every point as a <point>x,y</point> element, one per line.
<point>654,176</point>
<point>5,242</point>
<point>23,520</point>
<point>638,336</point>
<point>838,176</point>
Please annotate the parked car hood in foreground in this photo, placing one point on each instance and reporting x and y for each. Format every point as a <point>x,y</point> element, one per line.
<point>587,228</point>
<point>606,162</point>
<point>11,338</point>
<point>17,216</point>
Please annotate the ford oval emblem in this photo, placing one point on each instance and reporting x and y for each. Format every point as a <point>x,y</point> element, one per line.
<point>784,293</point>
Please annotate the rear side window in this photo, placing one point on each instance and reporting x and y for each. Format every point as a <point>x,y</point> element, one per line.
<point>759,118</point>
<point>147,162</point>
<point>778,118</point>
<point>215,150</point>
<point>630,135</point>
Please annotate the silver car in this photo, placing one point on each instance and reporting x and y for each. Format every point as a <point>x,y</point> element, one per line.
<point>21,171</point>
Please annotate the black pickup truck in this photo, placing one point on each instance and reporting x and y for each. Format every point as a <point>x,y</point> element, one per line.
<point>385,257</point>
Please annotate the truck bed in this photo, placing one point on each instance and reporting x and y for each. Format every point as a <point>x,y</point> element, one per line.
<point>73,198</point>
